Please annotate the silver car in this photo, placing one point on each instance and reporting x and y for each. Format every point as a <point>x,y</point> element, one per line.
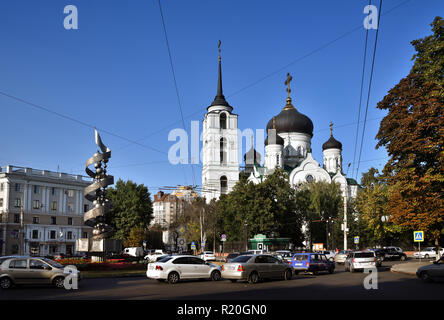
<point>359,260</point>
<point>31,270</point>
<point>341,256</point>
<point>432,272</point>
<point>253,268</point>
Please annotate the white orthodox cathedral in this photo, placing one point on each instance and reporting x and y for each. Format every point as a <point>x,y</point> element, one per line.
<point>287,146</point>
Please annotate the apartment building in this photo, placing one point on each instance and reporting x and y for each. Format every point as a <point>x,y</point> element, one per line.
<point>167,208</point>
<point>41,211</point>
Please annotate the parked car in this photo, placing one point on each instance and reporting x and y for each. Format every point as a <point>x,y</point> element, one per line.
<point>32,270</point>
<point>208,256</point>
<point>329,254</point>
<point>312,262</point>
<point>359,260</point>
<point>253,268</point>
<point>231,256</point>
<point>393,254</point>
<point>394,248</point>
<point>379,256</point>
<point>152,257</point>
<point>429,252</point>
<point>255,251</point>
<point>341,256</point>
<point>433,272</point>
<point>175,268</point>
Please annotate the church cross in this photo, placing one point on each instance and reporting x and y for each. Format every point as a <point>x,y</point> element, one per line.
<point>287,83</point>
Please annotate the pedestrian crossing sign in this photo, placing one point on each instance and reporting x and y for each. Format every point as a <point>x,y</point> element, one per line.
<point>418,236</point>
<point>356,240</point>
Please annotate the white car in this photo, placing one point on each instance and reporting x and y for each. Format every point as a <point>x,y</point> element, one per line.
<point>429,252</point>
<point>394,248</point>
<point>329,254</point>
<point>152,257</point>
<point>175,268</point>
<point>360,260</point>
<point>208,256</point>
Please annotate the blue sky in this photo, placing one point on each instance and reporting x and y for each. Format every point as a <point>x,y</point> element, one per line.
<point>114,73</point>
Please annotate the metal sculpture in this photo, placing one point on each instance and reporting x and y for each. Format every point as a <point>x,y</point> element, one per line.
<point>96,192</point>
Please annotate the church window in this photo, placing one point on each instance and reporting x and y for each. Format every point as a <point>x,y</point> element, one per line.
<point>277,160</point>
<point>309,178</point>
<point>223,151</point>
<point>223,121</point>
<point>223,185</point>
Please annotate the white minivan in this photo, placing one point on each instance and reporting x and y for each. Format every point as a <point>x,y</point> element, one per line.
<point>134,251</point>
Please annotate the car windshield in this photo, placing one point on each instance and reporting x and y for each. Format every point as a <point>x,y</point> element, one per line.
<point>241,259</point>
<point>53,263</point>
<point>428,249</point>
<point>167,258</point>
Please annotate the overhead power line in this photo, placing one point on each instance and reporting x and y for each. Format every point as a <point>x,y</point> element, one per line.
<point>174,78</point>
<point>370,85</point>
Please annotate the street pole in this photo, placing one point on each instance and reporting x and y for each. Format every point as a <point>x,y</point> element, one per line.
<point>345,220</point>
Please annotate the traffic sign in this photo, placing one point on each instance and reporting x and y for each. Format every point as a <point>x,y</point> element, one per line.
<point>223,237</point>
<point>193,246</point>
<point>418,236</point>
<point>356,239</point>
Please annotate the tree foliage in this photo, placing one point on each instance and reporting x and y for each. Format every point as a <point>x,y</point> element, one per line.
<point>413,134</point>
<point>131,208</point>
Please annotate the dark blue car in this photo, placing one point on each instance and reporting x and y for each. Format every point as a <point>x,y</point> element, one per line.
<point>311,262</point>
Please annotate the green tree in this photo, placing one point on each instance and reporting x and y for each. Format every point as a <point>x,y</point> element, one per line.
<point>136,237</point>
<point>131,208</point>
<point>413,134</point>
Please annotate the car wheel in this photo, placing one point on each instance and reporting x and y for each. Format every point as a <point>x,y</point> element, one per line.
<point>215,275</point>
<point>331,270</point>
<point>425,277</point>
<point>288,274</point>
<point>233,280</point>
<point>253,278</point>
<point>59,282</point>
<point>5,283</point>
<point>173,277</point>
<point>402,258</point>
<point>426,256</point>
<point>352,269</point>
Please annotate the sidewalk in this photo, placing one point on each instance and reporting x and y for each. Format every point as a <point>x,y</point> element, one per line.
<point>409,267</point>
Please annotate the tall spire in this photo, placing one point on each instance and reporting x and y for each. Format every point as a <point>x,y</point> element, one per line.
<point>219,100</point>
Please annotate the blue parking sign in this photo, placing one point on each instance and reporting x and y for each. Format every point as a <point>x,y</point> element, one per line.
<point>418,236</point>
<point>356,240</point>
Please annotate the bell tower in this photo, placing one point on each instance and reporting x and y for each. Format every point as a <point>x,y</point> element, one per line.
<point>220,158</point>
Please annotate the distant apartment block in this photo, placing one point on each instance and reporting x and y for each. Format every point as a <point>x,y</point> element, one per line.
<point>168,208</point>
<point>41,211</point>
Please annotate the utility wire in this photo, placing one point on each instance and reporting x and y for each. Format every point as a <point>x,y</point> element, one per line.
<point>360,96</point>
<point>40,107</point>
<point>175,82</point>
<point>369,85</point>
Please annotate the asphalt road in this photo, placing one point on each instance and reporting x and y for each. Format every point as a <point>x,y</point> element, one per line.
<point>340,285</point>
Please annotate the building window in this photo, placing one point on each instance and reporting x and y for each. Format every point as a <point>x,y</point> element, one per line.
<point>52,234</point>
<point>15,234</point>
<point>223,185</point>
<point>18,187</point>
<point>277,160</point>
<point>70,193</point>
<point>309,178</point>
<point>85,208</point>
<point>70,221</point>
<point>1,186</point>
<point>53,191</point>
<point>36,189</point>
<point>35,234</point>
<point>69,235</point>
<point>16,218</point>
<point>36,204</point>
<point>54,205</point>
<point>1,202</point>
<point>17,202</point>
<point>53,220</point>
<point>85,234</point>
<point>223,121</point>
<point>35,220</point>
<point>223,150</point>
<point>70,207</point>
